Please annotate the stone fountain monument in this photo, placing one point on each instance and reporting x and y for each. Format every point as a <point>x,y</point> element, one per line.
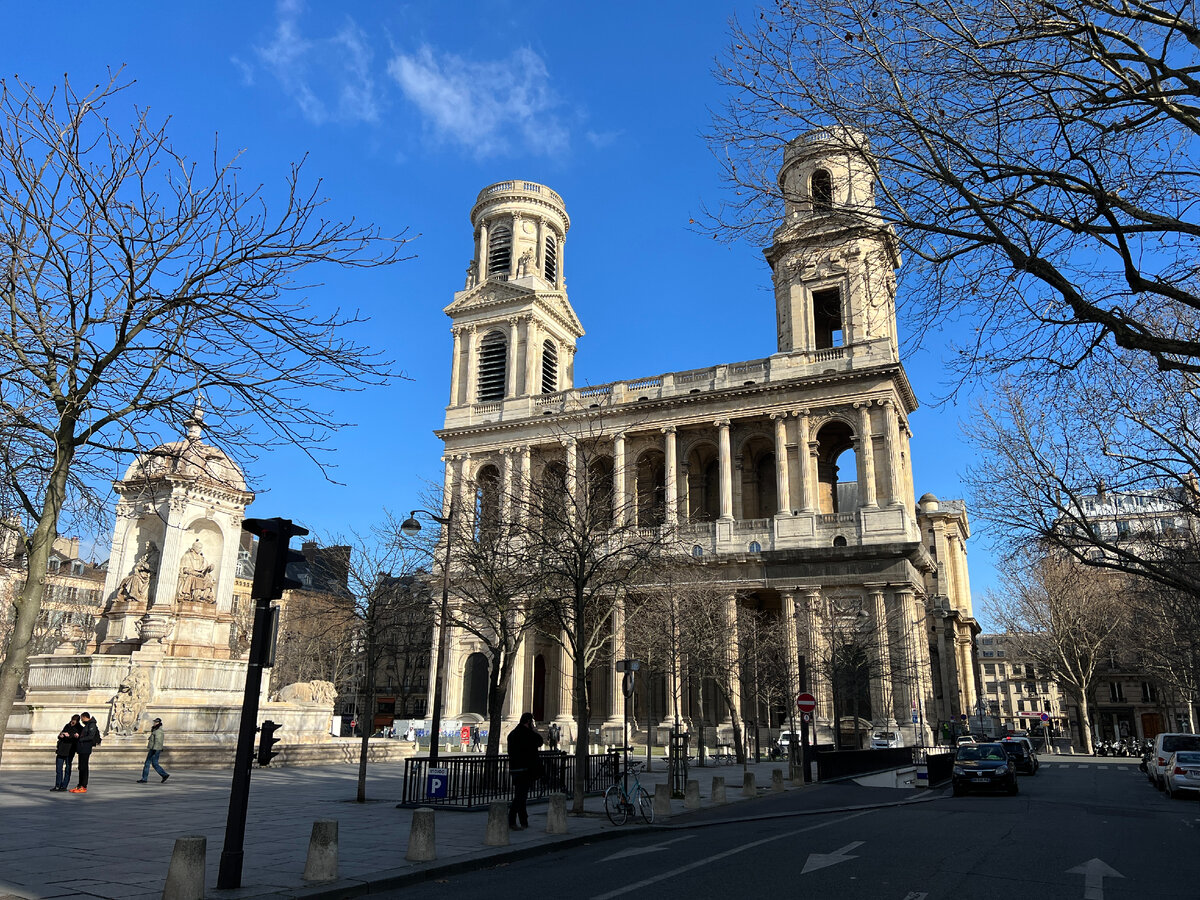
<point>163,644</point>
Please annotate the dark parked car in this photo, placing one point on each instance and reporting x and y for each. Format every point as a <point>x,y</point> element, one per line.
<point>985,767</point>
<point>1019,752</point>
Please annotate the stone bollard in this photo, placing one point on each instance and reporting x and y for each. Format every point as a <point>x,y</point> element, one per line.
<point>185,876</point>
<point>777,780</point>
<point>497,825</point>
<point>718,789</point>
<point>691,794</point>
<point>662,801</point>
<point>420,836</point>
<point>556,814</point>
<point>748,787</point>
<point>322,862</point>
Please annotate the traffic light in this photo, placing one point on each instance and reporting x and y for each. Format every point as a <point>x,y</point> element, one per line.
<point>274,555</point>
<point>266,741</point>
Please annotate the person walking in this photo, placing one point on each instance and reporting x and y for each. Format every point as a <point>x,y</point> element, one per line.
<point>64,753</point>
<point>525,766</point>
<point>89,739</point>
<point>154,747</point>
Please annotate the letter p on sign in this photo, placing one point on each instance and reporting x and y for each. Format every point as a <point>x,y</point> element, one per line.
<point>437,784</point>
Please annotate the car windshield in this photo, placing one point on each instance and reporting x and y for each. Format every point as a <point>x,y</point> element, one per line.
<point>982,751</point>
<point>1187,757</point>
<point>1181,742</point>
<point>885,736</point>
<point>1014,749</point>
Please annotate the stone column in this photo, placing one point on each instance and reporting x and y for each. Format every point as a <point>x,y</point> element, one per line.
<point>572,477</point>
<point>566,688</point>
<point>725,467</point>
<point>619,500</point>
<point>739,484</point>
<point>685,494</point>
<point>783,485</point>
<point>788,603</point>
<point>924,665</point>
<point>516,702</point>
<point>907,688</point>
<point>448,485</point>
<point>570,368</point>
<point>672,487</point>
<point>510,388</point>
<point>469,368</point>
<point>866,481</point>
<point>892,437</point>
<point>509,458</point>
<point>483,253</point>
<point>733,655</point>
<point>803,458</point>
<point>616,647</point>
<point>882,695</point>
<point>532,356</point>
<point>524,486</point>
<point>814,625</point>
<point>512,250</point>
<point>541,246</point>
<point>561,281</point>
<point>456,368</point>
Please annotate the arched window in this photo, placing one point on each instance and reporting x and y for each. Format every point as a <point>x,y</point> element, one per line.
<point>487,502</point>
<point>549,368</point>
<point>822,191</point>
<point>499,250</point>
<point>493,362</point>
<point>651,488</point>
<point>836,456</point>
<point>550,267</point>
<point>600,491</point>
<point>475,685</point>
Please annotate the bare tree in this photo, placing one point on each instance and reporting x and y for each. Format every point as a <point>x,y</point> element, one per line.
<point>1037,159</point>
<point>1065,618</point>
<point>134,279</point>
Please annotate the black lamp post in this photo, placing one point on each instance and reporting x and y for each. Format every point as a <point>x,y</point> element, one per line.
<point>411,528</point>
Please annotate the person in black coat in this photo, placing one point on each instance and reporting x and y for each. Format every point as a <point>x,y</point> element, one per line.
<point>525,766</point>
<point>64,752</point>
<point>89,737</point>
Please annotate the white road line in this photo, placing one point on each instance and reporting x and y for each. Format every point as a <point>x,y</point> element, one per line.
<point>646,882</point>
<point>1083,767</point>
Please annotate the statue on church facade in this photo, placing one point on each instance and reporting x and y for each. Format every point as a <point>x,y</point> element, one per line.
<point>135,586</point>
<point>195,576</point>
<point>525,263</point>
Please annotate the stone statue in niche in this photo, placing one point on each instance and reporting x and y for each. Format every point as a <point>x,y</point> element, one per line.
<point>195,576</point>
<point>525,263</point>
<point>136,585</point>
<point>470,275</point>
<point>130,702</point>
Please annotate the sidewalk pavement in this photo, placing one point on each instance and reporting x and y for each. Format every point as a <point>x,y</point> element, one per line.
<point>116,840</point>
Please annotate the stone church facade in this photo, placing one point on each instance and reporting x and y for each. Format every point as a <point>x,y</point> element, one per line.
<point>791,475</point>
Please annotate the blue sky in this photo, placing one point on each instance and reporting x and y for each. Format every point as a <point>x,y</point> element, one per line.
<point>407,110</point>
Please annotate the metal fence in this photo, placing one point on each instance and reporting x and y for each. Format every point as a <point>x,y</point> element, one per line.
<point>844,763</point>
<point>475,781</point>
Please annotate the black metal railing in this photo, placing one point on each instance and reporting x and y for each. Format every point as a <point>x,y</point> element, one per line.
<point>845,763</point>
<point>472,782</point>
<point>939,766</point>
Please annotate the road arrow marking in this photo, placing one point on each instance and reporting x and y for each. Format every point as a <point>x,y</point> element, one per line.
<point>651,848</point>
<point>913,895</point>
<point>1094,871</point>
<point>821,860</point>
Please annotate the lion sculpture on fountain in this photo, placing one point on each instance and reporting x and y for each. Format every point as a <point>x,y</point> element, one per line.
<point>318,693</point>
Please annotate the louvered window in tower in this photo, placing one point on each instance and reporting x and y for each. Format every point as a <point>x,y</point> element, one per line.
<point>493,357</point>
<point>550,269</point>
<point>549,368</point>
<point>499,251</point>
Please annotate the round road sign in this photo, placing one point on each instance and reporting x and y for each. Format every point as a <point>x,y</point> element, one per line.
<point>806,702</point>
<point>1045,717</point>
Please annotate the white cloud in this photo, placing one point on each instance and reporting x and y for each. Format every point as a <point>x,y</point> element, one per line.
<point>329,78</point>
<point>491,108</point>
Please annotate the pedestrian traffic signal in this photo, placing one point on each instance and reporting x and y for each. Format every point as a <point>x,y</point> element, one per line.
<point>266,741</point>
<point>274,555</point>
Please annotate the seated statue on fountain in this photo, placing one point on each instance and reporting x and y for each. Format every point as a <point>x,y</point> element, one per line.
<point>195,576</point>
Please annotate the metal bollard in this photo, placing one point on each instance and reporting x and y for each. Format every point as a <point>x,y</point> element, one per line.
<point>421,836</point>
<point>185,876</point>
<point>497,825</point>
<point>322,861</point>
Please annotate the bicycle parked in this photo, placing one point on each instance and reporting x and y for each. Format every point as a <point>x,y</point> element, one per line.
<point>621,804</point>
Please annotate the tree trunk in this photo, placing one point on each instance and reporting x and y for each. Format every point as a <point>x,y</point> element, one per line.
<point>1085,722</point>
<point>29,604</point>
<point>497,694</point>
<point>582,736</point>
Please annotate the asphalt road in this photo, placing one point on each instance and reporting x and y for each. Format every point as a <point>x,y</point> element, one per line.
<point>1090,829</point>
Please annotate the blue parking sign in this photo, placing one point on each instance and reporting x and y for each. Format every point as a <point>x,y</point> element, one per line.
<point>437,784</point>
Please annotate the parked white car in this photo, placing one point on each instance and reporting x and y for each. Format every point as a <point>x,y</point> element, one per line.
<point>886,740</point>
<point>1165,744</point>
<point>1182,772</point>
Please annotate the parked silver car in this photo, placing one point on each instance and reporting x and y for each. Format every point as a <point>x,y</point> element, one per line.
<point>1182,772</point>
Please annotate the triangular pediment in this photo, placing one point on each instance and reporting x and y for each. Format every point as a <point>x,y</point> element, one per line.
<point>498,296</point>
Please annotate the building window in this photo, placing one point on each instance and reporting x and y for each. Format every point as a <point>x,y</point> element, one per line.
<point>755,547</point>
<point>822,191</point>
<point>827,318</point>
<point>697,551</point>
<point>499,250</point>
<point>1116,692</point>
<point>989,668</point>
<point>1149,692</point>
<point>550,257</point>
<point>493,359</point>
<point>549,368</point>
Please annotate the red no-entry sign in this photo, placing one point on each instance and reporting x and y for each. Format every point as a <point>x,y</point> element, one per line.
<point>806,702</point>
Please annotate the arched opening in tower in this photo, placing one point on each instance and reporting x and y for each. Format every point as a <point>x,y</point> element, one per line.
<point>475,685</point>
<point>651,488</point>
<point>836,458</point>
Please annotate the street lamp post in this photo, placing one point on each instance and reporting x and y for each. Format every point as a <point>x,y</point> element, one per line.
<point>411,528</point>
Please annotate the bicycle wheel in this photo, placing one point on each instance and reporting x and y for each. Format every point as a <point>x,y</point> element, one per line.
<point>615,806</point>
<point>644,804</point>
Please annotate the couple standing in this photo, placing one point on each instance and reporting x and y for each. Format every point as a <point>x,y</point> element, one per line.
<point>80,736</point>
